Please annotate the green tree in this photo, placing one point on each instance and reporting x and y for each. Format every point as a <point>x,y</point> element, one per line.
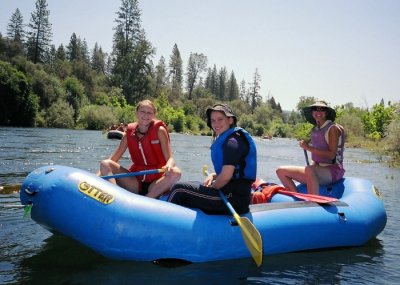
<point>60,115</point>
<point>18,105</point>
<point>77,50</point>
<point>161,75</point>
<point>211,82</point>
<point>94,117</point>
<point>39,35</point>
<point>176,71</point>
<point>15,29</point>
<point>98,59</point>
<point>73,48</point>
<point>304,102</point>
<point>222,79</point>
<point>376,121</point>
<point>46,86</point>
<point>232,92</point>
<point>254,90</point>
<point>392,134</point>
<point>75,94</point>
<point>131,53</point>
<point>243,91</point>
<point>196,65</point>
<point>350,118</point>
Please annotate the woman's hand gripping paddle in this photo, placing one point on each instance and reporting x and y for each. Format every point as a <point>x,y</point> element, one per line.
<point>250,234</point>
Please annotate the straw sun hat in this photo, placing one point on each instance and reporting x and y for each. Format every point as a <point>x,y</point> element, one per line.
<point>330,113</point>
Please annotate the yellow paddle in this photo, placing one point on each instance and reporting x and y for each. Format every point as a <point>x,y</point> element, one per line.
<point>250,234</point>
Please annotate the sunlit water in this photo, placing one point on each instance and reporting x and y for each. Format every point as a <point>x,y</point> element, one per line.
<point>30,254</point>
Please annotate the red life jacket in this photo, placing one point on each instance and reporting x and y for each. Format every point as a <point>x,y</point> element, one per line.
<point>146,153</point>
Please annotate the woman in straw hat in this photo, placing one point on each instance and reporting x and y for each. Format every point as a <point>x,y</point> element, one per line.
<point>327,147</point>
<point>234,157</point>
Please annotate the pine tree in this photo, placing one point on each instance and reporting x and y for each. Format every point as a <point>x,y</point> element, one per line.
<point>161,75</point>
<point>254,90</point>
<point>131,68</point>
<point>214,84</point>
<point>176,71</point>
<point>60,54</point>
<point>73,48</point>
<point>39,36</point>
<point>77,50</point>
<point>222,79</point>
<point>98,59</point>
<point>15,29</point>
<point>232,92</point>
<point>243,91</point>
<point>196,65</point>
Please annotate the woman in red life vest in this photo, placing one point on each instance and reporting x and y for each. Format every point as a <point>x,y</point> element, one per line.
<point>327,147</point>
<point>149,147</point>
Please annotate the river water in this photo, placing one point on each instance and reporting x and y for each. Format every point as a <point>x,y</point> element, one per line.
<point>29,254</point>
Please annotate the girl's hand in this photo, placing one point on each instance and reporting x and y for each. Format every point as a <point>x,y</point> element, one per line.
<point>209,180</point>
<point>303,144</point>
<point>166,169</point>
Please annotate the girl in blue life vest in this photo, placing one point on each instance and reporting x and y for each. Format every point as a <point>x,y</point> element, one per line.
<point>327,147</point>
<point>234,157</point>
<point>149,147</point>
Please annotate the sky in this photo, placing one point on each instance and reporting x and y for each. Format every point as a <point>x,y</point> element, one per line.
<point>340,51</point>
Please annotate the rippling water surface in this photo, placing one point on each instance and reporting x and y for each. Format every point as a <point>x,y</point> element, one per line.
<point>30,254</point>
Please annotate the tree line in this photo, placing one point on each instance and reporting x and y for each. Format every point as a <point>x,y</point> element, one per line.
<point>72,86</point>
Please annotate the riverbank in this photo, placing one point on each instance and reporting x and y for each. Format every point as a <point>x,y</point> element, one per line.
<point>392,159</point>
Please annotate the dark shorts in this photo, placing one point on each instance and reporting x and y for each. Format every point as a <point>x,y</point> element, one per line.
<point>144,188</point>
<point>207,199</point>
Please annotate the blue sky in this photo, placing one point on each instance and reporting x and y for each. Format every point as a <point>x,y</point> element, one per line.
<point>337,50</point>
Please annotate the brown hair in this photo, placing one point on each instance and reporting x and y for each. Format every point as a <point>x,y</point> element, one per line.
<point>146,102</point>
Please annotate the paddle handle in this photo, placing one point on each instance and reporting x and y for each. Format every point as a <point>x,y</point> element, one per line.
<point>130,174</point>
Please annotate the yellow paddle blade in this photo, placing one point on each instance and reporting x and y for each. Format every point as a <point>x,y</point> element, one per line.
<point>8,189</point>
<point>205,171</point>
<point>251,237</point>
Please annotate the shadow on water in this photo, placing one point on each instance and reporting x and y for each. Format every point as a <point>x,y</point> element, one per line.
<point>64,261</point>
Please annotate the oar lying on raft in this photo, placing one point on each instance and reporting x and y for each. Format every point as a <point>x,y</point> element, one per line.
<point>270,189</point>
<point>309,197</point>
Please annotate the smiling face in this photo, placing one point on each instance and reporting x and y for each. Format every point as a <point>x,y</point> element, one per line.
<point>219,122</point>
<point>319,115</point>
<point>145,114</point>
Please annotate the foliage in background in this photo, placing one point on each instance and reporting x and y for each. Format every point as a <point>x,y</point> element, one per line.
<point>18,105</point>
<point>71,87</point>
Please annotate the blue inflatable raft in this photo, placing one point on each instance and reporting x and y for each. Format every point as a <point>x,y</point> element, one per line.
<point>125,226</point>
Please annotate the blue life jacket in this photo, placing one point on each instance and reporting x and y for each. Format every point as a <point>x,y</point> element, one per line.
<point>250,169</point>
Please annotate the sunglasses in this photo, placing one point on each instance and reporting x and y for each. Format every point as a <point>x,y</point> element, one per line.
<point>319,109</point>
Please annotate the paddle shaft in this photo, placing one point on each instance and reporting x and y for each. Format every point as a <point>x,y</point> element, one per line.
<point>130,174</point>
<point>306,156</point>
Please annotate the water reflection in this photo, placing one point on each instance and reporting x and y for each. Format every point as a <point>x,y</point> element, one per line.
<point>63,261</point>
